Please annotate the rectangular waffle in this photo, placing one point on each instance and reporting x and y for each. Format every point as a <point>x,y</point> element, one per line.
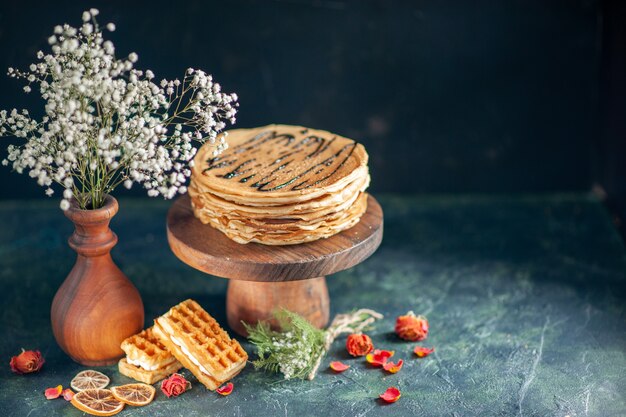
<point>147,377</point>
<point>147,359</point>
<point>200,344</point>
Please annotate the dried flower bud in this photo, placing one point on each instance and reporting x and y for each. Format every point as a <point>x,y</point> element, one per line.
<point>26,362</point>
<point>175,385</point>
<point>412,327</point>
<point>359,344</point>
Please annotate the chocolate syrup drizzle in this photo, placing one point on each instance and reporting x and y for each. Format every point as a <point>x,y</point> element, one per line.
<point>247,169</point>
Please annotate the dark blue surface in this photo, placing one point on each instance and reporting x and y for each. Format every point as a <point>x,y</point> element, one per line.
<point>525,298</point>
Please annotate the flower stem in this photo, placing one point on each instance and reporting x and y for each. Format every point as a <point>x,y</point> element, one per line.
<point>345,323</point>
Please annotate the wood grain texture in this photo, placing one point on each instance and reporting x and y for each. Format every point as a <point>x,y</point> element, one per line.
<point>96,307</point>
<point>209,250</point>
<point>253,301</point>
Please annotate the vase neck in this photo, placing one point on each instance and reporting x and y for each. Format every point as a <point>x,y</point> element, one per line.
<point>92,235</point>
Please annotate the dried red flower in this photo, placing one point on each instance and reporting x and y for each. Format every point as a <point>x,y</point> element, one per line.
<point>379,357</point>
<point>225,389</point>
<point>422,352</point>
<point>412,327</point>
<point>52,393</point>
<point>359,344</point>
<point>67,394</point>
<point>175,385</point>
<point>391,395</point>
<point>393,367</point>
<point>338,366</point>
<point>26,362</point>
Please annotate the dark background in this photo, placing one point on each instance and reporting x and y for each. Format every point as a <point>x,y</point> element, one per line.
<point>447,96</point>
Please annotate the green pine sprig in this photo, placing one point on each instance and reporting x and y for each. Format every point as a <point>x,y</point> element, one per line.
<point>292,350</point>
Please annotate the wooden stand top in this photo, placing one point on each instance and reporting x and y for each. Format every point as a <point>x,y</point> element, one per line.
<point>209,250</point>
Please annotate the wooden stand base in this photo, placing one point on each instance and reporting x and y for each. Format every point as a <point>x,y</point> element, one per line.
<point>264,278</point>
<point>253,301</point>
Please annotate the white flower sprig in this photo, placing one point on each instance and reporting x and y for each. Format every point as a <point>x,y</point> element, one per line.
<point>107,123</point>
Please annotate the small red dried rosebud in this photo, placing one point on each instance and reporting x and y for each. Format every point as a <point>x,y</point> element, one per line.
<point>412,327</point>
<point>26,362</point>
<point>175,385</point>
<point>359,344</point>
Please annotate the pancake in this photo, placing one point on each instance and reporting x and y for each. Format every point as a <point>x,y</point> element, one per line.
<point>278,164</point>
<point>302,210</point>
<point>281,185</point>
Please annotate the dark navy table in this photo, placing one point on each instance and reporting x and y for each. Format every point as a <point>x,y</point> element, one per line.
<point>525,297</point>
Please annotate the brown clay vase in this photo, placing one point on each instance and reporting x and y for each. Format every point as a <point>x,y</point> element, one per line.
<point>96,307</point>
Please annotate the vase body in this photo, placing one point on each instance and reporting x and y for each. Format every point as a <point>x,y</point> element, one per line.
<point>97,306</point>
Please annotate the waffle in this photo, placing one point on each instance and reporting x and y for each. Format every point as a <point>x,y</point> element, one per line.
<point>200,344</point>
<point>147,359</point>
<point>147,377</point>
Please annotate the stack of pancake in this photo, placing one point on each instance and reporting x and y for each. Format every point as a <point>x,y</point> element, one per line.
<point>281,185</point>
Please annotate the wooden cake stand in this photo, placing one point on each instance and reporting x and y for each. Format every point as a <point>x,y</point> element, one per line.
<point>264,277</point>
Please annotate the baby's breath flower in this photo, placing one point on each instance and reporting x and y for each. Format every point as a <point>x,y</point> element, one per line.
<point>107,124</point>
<point>293,350</point>
<point>87,29</point>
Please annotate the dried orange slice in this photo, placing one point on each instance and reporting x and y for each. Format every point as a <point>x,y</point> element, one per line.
<point>89,379</point>
<point>97,402</point>
<point>134,394</point>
